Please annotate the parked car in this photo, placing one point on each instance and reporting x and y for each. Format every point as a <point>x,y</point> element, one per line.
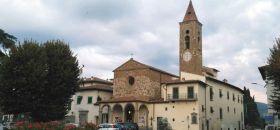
<point>71,125</point>
<point>8,125</point>
<point>271,127</point>
<point>109,126</point>
<point>128,126</point>
<point>1,126</point>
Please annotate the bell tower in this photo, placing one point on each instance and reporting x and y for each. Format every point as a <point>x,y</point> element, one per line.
<point>190,44</point>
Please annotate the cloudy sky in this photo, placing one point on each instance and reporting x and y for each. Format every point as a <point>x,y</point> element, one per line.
<point>237,34</point>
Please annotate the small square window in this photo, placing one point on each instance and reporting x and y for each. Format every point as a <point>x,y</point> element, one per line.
<point>79,99</point>
<point>220,93</point>
<point>211,110</point>
<point>194,118</point>
<point>202,108</point>
<point>89,100</point>
<point>211,94</point>
<point>227,95</point>
<point>221,113</point>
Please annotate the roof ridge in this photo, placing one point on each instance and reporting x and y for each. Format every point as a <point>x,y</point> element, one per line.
<point>151,67</point>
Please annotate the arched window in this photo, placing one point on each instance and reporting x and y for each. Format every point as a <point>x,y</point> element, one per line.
<point>105,114</point>
<point>187,42</point>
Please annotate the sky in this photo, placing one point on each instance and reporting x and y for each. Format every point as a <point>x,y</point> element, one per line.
<point>237,34</point>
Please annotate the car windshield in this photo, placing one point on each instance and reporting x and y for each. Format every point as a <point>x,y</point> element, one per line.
<point>107,126</point>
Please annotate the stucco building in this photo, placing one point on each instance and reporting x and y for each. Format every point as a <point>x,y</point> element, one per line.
<point>269,89</point>
<point>83,107</point>
<point>194,100</point>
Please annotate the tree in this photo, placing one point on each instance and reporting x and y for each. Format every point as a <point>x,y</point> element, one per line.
<point>6,41</point>
<point>251,114</point>
<point>39,79</point>
<point>273,74</point>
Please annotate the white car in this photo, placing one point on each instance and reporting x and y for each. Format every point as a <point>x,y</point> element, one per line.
<point>1,126</point>
<point>72,124</point>
<point>271,127</point>
<point>108,126</point>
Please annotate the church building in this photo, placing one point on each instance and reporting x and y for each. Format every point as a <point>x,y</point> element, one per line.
<point>195,99</point>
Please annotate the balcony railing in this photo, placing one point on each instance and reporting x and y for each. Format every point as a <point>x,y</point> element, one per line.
<point>182,96</point>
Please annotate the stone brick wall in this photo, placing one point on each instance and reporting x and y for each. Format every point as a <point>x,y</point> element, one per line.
<point>193,66</point>
<point>147,81</point>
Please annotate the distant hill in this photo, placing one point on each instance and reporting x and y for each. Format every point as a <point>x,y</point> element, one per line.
<point>262,108</point>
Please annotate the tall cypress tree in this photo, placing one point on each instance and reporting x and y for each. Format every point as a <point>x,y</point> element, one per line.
<point>251,114</point>
<point>273,74</point>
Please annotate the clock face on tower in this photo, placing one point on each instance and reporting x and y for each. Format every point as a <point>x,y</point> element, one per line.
<point>187,56</point>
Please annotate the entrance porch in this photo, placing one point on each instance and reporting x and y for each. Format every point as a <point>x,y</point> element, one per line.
<point>135,112</point>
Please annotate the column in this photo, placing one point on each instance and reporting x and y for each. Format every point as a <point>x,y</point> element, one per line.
<point>123,119</point>
<point>100,116</point>
<point>136,113</point>
<point>111,116</point>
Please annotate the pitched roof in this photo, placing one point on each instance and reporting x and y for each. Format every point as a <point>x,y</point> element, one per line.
<point>183,82</point>
<point>145,66</point>
<point>262,70</point>
<point>95,79</point>
<point>99,87</point>
<point>127,99</point>
<point>225,83</point>
<point>205,68</point>
<point>134,99</point>
<point>190,13</point>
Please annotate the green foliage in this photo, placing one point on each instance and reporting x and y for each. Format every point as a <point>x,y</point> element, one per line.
<point>54,125</point>
<point>251,114</point>
<point>39,79</point>
<point>273,74</point>
<point>6,41</point>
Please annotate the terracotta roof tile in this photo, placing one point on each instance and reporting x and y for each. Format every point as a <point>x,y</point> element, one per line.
<point>95,79</point>
<point>190,13</point>
<point>101,87</point>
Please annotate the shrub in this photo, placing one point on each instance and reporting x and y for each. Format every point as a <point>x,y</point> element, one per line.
<point>54,125</point>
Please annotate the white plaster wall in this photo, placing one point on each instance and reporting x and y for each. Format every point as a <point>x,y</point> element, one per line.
<point>93,110</point>
<point>183,89</point>
<point>179,111</point>
<point>269,90</point>
<point>230,119</point>
<point>190,76</point>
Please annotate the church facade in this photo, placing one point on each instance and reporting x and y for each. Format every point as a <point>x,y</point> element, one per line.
<point>194,100</point>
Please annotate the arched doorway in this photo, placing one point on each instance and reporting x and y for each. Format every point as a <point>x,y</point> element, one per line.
<point>105,114</point>
<point>143,117</point>
<point>129,113</point>
<point>117,113</point>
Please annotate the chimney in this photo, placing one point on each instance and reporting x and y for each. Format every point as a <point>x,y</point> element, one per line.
<point>225,80</point>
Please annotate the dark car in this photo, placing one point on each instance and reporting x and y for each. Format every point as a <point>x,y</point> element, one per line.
<point>128,126</point>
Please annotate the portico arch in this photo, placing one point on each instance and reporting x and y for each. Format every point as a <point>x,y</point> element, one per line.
<point>105,111</point>
<point>118,113</point>
<point>129,112</point>
<point>143,117</point>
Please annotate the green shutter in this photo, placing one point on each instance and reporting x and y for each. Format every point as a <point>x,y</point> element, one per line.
<point>89,100</point>
<point>79,99</point>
